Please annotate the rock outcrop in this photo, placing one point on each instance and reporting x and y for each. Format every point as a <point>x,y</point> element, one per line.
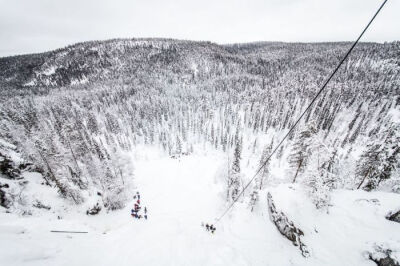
<point>8,169</point>
<point>286,227</point>
<point>394,216</point>
<point>382,257</point>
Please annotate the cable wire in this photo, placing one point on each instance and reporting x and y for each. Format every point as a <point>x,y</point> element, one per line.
<point>304,112</point>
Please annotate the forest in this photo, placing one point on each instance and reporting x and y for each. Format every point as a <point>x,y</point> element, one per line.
<point>74,114</point>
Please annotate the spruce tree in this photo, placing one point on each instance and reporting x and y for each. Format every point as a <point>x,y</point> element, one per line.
<point>234,178</point>
<point>379,160</point>
<point>265,168</point>
<point>301,151</point>
<point>178,145</point>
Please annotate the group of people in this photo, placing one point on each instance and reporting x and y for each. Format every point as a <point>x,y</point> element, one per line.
<point>211,228</point>
<point>135,211</point>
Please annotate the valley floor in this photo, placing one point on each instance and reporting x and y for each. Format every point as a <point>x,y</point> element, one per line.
<point>182,193</point>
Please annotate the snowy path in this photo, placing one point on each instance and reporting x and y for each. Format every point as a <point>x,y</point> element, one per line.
<point>179,195</point>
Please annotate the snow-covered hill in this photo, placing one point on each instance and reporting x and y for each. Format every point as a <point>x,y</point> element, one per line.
<point>77,123</point>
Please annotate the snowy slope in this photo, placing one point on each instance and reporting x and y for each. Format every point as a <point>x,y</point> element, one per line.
<point>342,233</point>
<point>180,194</point>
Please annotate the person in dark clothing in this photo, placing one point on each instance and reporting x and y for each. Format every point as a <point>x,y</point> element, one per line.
<point>134,214</point>
<point>212,228</point>
<point>136,209</point>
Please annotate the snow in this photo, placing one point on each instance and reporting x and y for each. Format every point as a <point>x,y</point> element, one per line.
<point>6,144</point>
<point>340,234</point>
<point>182,193</point>
<point>30,83</point>
<point>50,70</point>
<point>394,113</point>
<point>10,150</point>
<point>79,81</point>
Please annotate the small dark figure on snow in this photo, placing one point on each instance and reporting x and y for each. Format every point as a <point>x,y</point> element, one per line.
<point>212,228</point>
<point>134,213</point>
<point>136,209</point>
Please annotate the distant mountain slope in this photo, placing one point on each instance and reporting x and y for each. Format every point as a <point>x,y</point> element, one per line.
<point>96,61</point>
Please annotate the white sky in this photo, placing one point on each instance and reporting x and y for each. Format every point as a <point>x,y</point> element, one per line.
<point>29,26</point>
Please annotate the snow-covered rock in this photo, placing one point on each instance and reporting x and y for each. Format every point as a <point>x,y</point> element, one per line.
<point>286,227</point>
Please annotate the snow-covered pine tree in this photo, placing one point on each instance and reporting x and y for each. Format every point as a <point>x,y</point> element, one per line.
<point>259,181</point>
<point>380,159</point>
<point>237,157</point>
<point>266,168</point>
<point>178,145</point>
<point>321,173</point>
<point>234,178</point>
<point>254,197</point>
<point>300,151</point>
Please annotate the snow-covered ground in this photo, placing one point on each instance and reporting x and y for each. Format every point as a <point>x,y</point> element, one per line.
<point>182,193</point>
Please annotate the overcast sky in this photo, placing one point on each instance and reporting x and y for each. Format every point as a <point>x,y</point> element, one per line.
<point>30,26</point>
